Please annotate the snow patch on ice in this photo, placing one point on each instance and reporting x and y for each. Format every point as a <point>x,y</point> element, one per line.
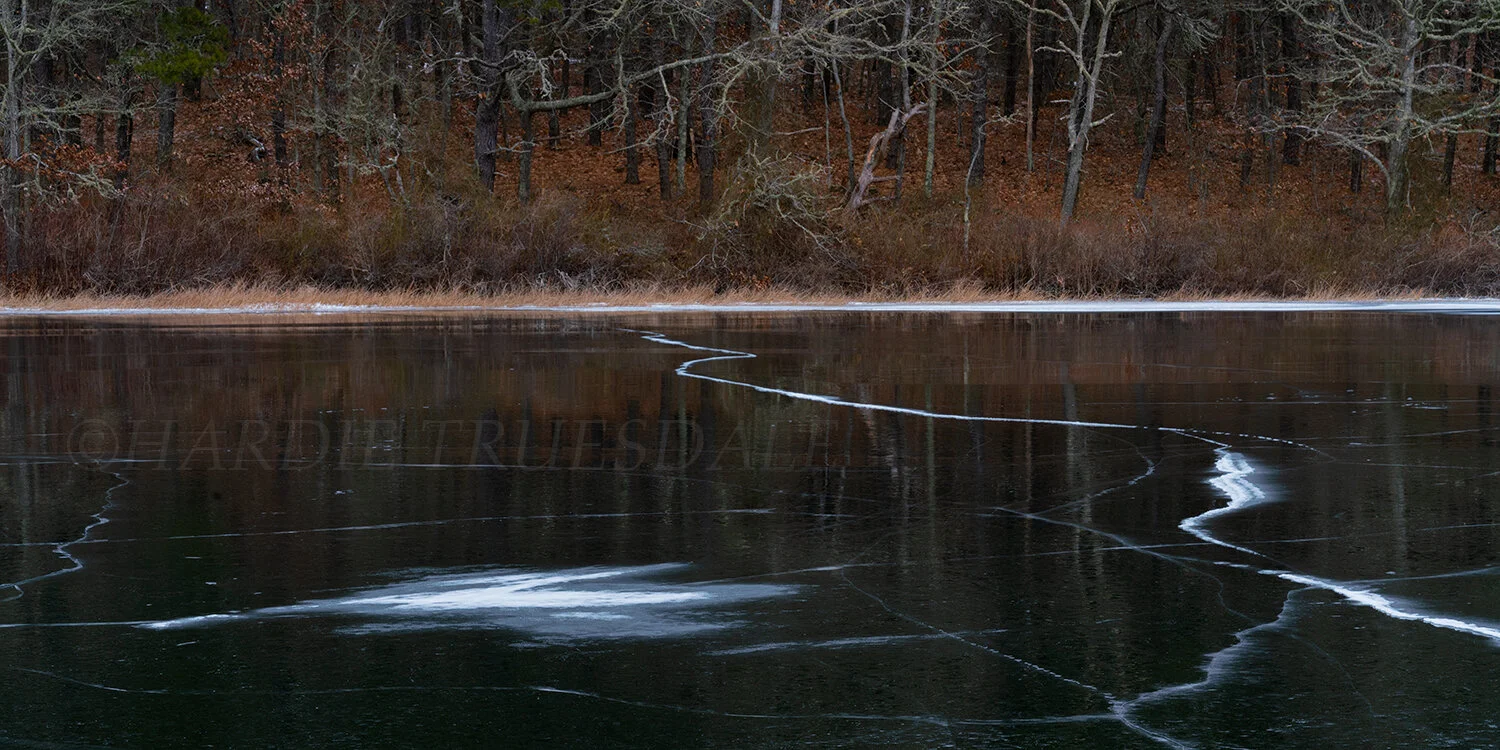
<point>1388,606</point>
<point>1233,481</point>
<point>580,603</point>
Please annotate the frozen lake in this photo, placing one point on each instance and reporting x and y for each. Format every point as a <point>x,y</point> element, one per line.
<point>1128,527</point>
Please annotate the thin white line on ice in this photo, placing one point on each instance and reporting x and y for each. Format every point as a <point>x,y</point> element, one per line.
<point>1232,480</point>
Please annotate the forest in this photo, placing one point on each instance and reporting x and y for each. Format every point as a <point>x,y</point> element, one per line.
<point>866,147</point>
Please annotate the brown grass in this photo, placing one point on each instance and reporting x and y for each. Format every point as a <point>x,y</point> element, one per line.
<point>233,297</point>
<point>242,296</point>
<point>446,250</point>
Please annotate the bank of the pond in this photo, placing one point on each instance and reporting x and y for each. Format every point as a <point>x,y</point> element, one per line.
<point>313,300</point>
<point>567,247</point>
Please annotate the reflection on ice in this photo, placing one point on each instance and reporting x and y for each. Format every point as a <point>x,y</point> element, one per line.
<point>581,603</point>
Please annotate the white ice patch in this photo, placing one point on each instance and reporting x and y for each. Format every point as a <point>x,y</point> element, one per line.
<point>1234,482</point>
<point>1388,606</point>
<point>581,603</point>
<point>504,597</point>
<point>1219,665</point>
<point>191,622</point>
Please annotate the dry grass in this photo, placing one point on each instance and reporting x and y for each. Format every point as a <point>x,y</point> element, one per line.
<point>1175,257</point>
<point>452,250</point>
<point>244,297</point>
<point>260,297</point>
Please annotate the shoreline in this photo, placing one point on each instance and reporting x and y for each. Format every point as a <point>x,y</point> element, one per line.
<point>309,301</point>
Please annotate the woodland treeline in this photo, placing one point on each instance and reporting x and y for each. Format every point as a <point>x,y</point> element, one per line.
<point>409,142</point>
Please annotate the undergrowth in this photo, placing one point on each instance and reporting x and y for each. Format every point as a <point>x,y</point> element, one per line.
<point>771,229</point>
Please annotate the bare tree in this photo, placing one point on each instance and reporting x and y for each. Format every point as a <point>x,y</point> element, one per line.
<point>34,34</point>
<point>1155,129</point>
<point>1378,92</point>
<point>1084,44</point>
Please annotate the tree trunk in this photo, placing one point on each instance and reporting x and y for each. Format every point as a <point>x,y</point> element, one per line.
<point>935,58</point>
<point>932,102</point>
<point>1211,82</point>
<point>503,153</point>
<point>487,111</point>
<point>809,81</point>
<point>166,113</point>
<point>1030,90</point>
<point>1268,136</point>
<point>979,96</point>
<point>486,136</point>
<point>848,131</point>
<point>278,114</point>
<point>1356,172</point>
<point>1157,127</point>
<point>708,120</point>
<point>523,164</point>
<point>885,93</point>
<point>231,21</point>
<point>1474,83</point>
<point>1246,54</point>
<point>1081,114</point>
<point>44,94</point>
<point>593,81</point>
<point>1012,70</point>
<point>1450,154</point>
<point>10,193</point>
<point>663,117</point>
<point>763,117</point>
<point>900,145</point>
<point>1491,146</point>
<point>632,147</point>
<point>1291,146</point>
<point>1398,172</point>
<point>554,118</point>
<point>325,141</point>
<point>1491,46</point>
<point>1072,181</point>
<point>1190,93</point>
<point>1247,161</point>
<point>684,116</point>
<point>878,143</point>
<point>124,134</point>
